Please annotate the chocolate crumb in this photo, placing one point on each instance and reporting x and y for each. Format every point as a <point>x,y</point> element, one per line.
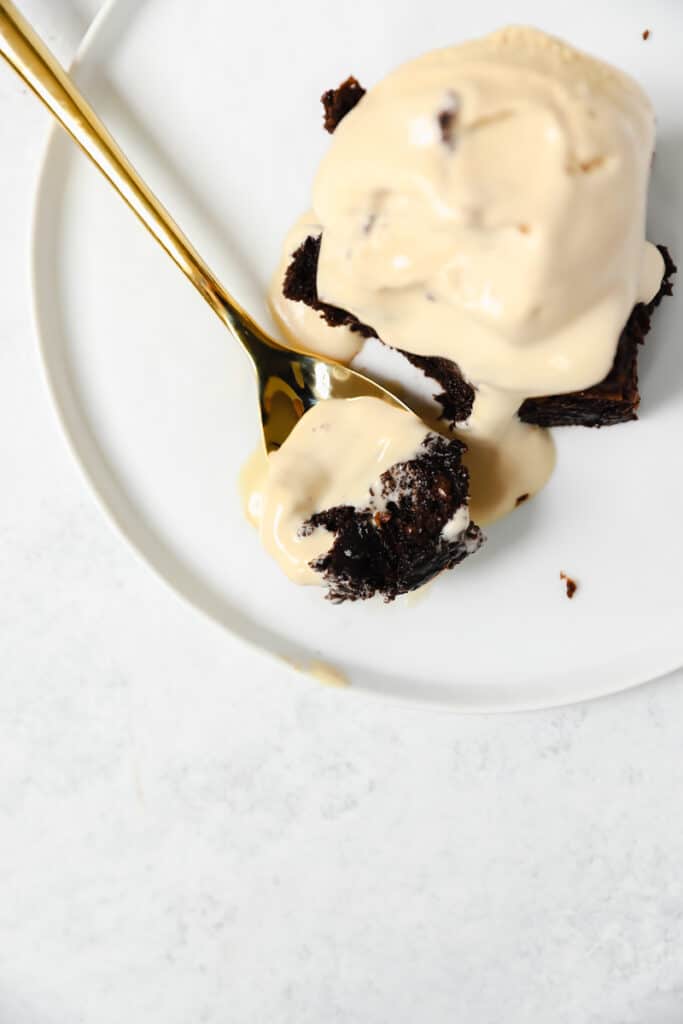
<point>572,585</point>
<point>446,122</point>
<point>338,102</point>
<point>447,117</point>
<point>521,499</point>
<point>646,34</point>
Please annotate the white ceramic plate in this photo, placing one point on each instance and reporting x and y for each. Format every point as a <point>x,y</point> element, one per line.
<point>218,105</point>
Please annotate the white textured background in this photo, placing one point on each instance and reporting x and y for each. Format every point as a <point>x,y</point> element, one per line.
<point>188,835</point>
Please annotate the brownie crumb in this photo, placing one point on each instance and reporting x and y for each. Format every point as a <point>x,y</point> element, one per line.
<point>521,499</point>
<point>338,102</point>
<point>646,34</point>
<point>447,118</point>
<point>572,585</point>
<point>457,397</point>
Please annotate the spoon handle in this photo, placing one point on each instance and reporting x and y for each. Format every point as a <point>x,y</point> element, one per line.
<point>24,51</point>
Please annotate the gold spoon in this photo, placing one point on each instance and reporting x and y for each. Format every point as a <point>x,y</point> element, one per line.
<point>290,380</point>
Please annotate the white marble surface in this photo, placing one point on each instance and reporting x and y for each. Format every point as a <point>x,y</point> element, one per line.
<point>188,835</point>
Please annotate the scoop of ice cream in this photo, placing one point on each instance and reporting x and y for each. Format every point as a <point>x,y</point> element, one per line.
<point>486,203</point>
<point>363,498</point>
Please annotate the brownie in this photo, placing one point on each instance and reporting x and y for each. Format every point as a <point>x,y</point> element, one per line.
<point>337,102</point>
<point>301,285</point>
<point>616,398</point>
<point>396,543</point>
<point>613,400</point>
